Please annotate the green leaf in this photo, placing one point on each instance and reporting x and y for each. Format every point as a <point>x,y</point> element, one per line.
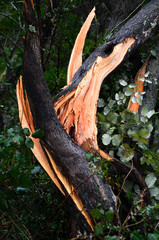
<point>18,139</point>
<point>109,215</point>
<point>132,85</point>
<point>89,155</point>
<point>142,79</point>
<point>98,229</point>
<point>144,133</point>
<point>111,103</point>
<point>153,236</point>
<point>7,142</point>
<point>144,111</point>
<point>101,102</point>
<point>122,82</point>
<point>96,213</point>
<point>112,117</point>
<point>106,138</point>
<point>133,99</point>
<point>116,139</point>
<point>154,191</point>
<point>128,91</point>
<point>36,170</point>
<point>153,52</point>
<point>110,238</point>
<point>106,110</point>
<point>26,132</point>
<point>32,28</point>
<point>150,180</point>
<point>29,142</point>
<point>151,113</point>
<point>101,117</point>
<point>144,119</point>
<point>117,96</point>
<point>136,236</point>
<point>39,133</point>
<point>10,132</point>
<point>139,99</point>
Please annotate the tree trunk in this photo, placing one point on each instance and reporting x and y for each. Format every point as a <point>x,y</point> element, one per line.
<point>69,157</point>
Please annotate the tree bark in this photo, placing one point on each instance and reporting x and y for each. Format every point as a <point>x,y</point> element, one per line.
<point>69,157</point>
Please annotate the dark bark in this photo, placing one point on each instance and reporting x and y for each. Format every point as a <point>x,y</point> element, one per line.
<point>142,26</point>
<point>68,156</point>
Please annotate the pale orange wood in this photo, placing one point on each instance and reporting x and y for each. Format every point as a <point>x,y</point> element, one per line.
<point>76,55</point>
<point>134,107</point>
<point>80,109</point>
<point>71,191</point>
<point>26,120</point>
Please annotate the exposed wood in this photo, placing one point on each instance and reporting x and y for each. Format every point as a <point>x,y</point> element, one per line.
<point>141,27</point>
<point>67,158</point>
<point>134,107</point>
<point>26,120</point>
<point>79,110</point>
<point>76,55</point>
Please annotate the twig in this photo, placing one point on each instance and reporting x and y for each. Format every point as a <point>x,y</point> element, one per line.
<point>127,17</point>
<point>6,15</point>
<point>11,41</point>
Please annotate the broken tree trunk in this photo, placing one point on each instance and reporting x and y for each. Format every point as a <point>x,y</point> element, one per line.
<point>68,157</point>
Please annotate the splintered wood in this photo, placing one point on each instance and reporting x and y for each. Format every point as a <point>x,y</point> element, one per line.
<point>77,110</point>
<point>44,157</point>
<point>26,120</point>
<point>134,107</point>
<point>76,55</point>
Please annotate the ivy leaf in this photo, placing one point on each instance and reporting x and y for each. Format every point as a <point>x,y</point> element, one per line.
<point>29,142</point>
<point>106,110</point>
<point>18,139</point>
<point>117,96</point>
<point>150,179</point>
<point>139,99</point>
<point>39,133</point>
<point>147,74</point>
<point>99,230</point>
<point>128,91</point>
<point>132,85</point>
<point>101,102</point>
<point>137,94</point>
<point>151,113</point>
<point>109,215</point>
<point>154,191</point>
<point>133,99</point>
<point>142,79</point>
<point>116,140</point>
<point>153,236</point>
<point>101,117</point>
<point>110,238</point>
<point>35,170</point>
<point>144,111</point>
<point>154,53</point>
<point>26,132</point>
<point>122,82</point>
<point>96,213</point>
<point>112,117</point>
<point>106,138</point>
<point>144,133</point>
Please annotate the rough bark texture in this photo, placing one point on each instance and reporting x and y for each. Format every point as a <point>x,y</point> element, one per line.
<point>141,27</point>
<point>68,156</point>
